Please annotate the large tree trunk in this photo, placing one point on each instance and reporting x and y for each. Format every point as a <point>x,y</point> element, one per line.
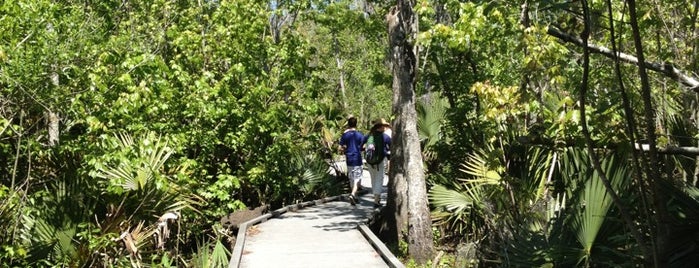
<point>396,211</point>
<point>407,189</point>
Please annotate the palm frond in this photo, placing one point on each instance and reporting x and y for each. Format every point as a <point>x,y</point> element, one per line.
<point>318,180</point>
<point>136,174</point>
<point>452,209</point>
<point>141,234</point>
<point>211,258</point>
<point>158,155</point>
<point>44,232</point>
<point>51,241</point>
<point>124,140</point>
<point>452,200</point>
<point>328,139</point>
<point>220,255</point>
<point>9,203</point>
<point>431,113</point>
<point>476,166</point>
<point>312,181</point>
<point>541,171</point>
<point>596,202</point>
<point>123,174</point>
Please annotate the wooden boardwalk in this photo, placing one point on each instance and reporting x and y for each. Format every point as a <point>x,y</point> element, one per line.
<point>320,234</point>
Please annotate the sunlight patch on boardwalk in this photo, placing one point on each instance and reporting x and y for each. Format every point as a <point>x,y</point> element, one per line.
<point>321,236</point>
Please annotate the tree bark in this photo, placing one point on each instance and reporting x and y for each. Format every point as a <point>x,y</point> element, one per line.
<point>396,211</point>
<point>408,191</point>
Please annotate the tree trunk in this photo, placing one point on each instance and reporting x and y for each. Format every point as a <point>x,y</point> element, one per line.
<point>695,177</point>
<point>652,169</point>
<point>616,200</point>
<point>53,124</point>
<point>396,211</point>
<point>340,69</point>
<point>408,194</point>
<point>52,117</point>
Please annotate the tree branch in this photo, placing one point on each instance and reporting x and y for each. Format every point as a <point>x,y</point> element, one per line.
<point>664,68</point>
<point>673,150</point>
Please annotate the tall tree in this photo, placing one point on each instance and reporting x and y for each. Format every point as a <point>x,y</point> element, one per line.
<point>652,167</point>
<point>407,194</point>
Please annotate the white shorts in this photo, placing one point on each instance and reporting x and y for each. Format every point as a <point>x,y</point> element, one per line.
<point>354,173</point>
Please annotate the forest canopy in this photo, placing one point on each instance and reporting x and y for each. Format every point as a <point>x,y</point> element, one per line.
<point>551,132</point>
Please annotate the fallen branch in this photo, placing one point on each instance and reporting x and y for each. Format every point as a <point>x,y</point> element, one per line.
<point>665,68</point>
<point>670,149</point>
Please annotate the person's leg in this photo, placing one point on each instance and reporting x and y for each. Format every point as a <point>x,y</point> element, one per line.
<point>353,192</point>
<point>377,174</point>
<point>351,184</point>
<point>354,187</point>
<point>354,174</point>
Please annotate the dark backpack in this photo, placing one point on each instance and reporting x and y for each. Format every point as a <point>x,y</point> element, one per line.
<point>373,149</point>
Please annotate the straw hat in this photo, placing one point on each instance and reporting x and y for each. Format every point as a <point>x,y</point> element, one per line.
<point>381,122</point>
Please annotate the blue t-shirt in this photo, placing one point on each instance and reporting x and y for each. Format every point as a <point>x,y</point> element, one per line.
<point>352,139</point>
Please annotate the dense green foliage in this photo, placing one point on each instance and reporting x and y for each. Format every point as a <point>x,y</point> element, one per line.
<point>167,109</point>
<point>172,114</point>
<point>514,185</point>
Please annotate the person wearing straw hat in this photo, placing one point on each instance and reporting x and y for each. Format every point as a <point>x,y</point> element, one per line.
<point>377,169</point>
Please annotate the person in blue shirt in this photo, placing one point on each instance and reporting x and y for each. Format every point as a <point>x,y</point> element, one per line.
<point>351,144</point>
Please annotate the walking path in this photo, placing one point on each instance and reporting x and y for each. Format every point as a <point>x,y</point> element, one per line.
<point>319,235</point>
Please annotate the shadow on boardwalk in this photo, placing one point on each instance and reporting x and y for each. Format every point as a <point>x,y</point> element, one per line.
<point>325,235</point>
<point>321,234</point>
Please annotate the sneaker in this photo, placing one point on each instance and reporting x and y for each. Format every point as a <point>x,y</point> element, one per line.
<point>353,200</point>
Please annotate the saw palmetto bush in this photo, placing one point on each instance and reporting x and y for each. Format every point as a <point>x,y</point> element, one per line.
<point>582,228</point>
<point>55,226</point>
<point>319,177</point>
<point>211,255</point>
<point>496,193</point>
<point>600,236</point>
<point>142,200</point>
<point>549,208</point>
<point>112,218</point>
<point>48,220</point>
<point>431,115</point>
<point>321,171</point>
<point>683,215</point>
